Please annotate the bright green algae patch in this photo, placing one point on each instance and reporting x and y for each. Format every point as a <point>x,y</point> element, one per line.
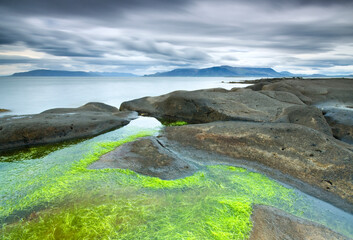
<point>177,123</point>
<point>69,201</point>
<point>126,205</point>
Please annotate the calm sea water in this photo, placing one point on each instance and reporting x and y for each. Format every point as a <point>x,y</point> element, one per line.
<point>29,95</point>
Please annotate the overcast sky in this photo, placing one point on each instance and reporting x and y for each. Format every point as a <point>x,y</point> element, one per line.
<point>146,36</point>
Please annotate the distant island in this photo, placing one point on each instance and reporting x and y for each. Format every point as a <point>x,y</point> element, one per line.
<point>60,73</point>
<point>228,71</point>
<point>217,71</point>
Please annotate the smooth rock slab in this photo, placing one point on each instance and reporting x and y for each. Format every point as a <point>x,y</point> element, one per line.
<point>270,223</point>
<point>298,151</point>
<point>146,156</point>
<point>311,91</point>
<point>59,125</point>
<point>203,106</point>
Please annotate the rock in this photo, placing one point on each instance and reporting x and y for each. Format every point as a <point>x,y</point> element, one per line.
<point>204,106</point>
<point>322,162</point>
<point>4,110</point>
<point>341,121</point>
<point>270,223</point>
<point>312,91</point>
<point>308,116</point>
<point>58,125</point>
<point>146,156</point>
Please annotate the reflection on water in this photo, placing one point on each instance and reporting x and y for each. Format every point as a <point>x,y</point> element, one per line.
<point>29,95</point>
<point>60,199</point>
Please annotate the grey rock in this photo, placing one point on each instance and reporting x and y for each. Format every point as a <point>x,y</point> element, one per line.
<point>204,106</point>
<point>59,125</point>
<point>313,157</point>
<point>270,223</point>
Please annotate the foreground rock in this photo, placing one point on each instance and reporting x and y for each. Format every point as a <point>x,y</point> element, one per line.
<point>272,224</point>
<point>58,125</point>
<point>146,156</point>
<point>322,162</point>
<point>211,105</point>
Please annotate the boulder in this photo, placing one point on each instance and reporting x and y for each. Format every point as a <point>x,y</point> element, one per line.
<point>58,125</point>
<point>270,223</point>
<point>146,156</point>
<point>341,121</point>
<point>312,91</point>
<point>316,159</point>
<point>204,106</point>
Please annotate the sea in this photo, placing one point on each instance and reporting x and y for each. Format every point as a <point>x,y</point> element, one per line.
<point>31,95</point>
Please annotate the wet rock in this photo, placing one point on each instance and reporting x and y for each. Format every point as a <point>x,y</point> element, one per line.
<point>4,110</point>
<point>146,156</point>
<point>298,151</point>
<point>270,223</point>
<point>58,125</point>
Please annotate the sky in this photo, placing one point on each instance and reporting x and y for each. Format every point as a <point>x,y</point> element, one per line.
<point>148,36</point>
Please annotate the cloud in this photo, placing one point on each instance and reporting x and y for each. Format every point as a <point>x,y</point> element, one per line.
<point>136,34</point>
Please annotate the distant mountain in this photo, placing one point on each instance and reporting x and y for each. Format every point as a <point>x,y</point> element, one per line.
<point>59,73</point>
<point>221,71</point>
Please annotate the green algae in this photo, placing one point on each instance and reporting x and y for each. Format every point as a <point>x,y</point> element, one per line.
<point>73,202</point>
<point>177,123</point>
<point>34,152</point>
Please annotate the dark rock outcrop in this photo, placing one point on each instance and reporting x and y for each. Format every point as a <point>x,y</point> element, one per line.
<point>314,158</point>
<point>270,223</point>
<point>58,125</point>
<point>146,156</point>
<point>312,91</point>
<point>211,105</point>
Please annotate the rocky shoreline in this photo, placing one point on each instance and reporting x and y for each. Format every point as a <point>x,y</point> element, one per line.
<point>61,124</point>
<point>298,131</point>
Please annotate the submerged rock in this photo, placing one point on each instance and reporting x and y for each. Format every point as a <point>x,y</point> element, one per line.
<point>146,156</point>
<point>270,223</point>
<point>58,125</point>
<point>323,162</point>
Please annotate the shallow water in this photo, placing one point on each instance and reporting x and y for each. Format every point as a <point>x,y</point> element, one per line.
<point>58,198</point>
<point>29,95</point>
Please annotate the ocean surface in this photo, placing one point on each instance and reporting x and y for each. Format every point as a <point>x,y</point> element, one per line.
<point>30,95</point>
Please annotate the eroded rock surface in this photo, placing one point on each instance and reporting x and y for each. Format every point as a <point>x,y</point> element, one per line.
<point>146,156</point>
<point>270,223</point>
<point>298,151</point>
<point>58,125</point>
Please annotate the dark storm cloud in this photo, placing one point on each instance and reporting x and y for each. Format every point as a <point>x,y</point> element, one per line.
<point>140,34</point>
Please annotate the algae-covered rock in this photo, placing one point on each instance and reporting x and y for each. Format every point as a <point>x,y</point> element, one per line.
<point>146,156</point>
<point>59,125</point>
<point>270,223</point>
<point>314,158</point>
